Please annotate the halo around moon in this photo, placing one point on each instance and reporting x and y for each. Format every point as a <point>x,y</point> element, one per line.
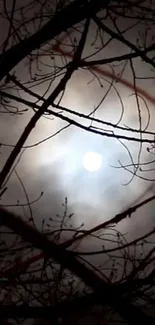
<point>92,161</point>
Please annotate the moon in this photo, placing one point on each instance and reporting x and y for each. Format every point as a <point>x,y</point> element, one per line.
<point>92,161</point>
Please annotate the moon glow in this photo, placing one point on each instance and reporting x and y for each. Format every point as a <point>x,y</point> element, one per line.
<point>92,161</point>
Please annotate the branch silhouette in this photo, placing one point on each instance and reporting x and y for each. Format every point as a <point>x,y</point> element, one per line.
<point>120,303</point>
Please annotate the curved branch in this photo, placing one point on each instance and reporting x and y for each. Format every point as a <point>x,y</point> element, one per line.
<point>121,304</point>
<point>64,19</point>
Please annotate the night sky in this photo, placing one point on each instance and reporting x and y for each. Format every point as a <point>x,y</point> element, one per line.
<point>55,166</point>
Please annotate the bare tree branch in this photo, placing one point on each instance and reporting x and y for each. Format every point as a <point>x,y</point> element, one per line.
<point>121,304</point>
<point>64,19</point>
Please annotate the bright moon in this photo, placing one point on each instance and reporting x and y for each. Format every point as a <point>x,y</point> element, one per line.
<point>92,161</point>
